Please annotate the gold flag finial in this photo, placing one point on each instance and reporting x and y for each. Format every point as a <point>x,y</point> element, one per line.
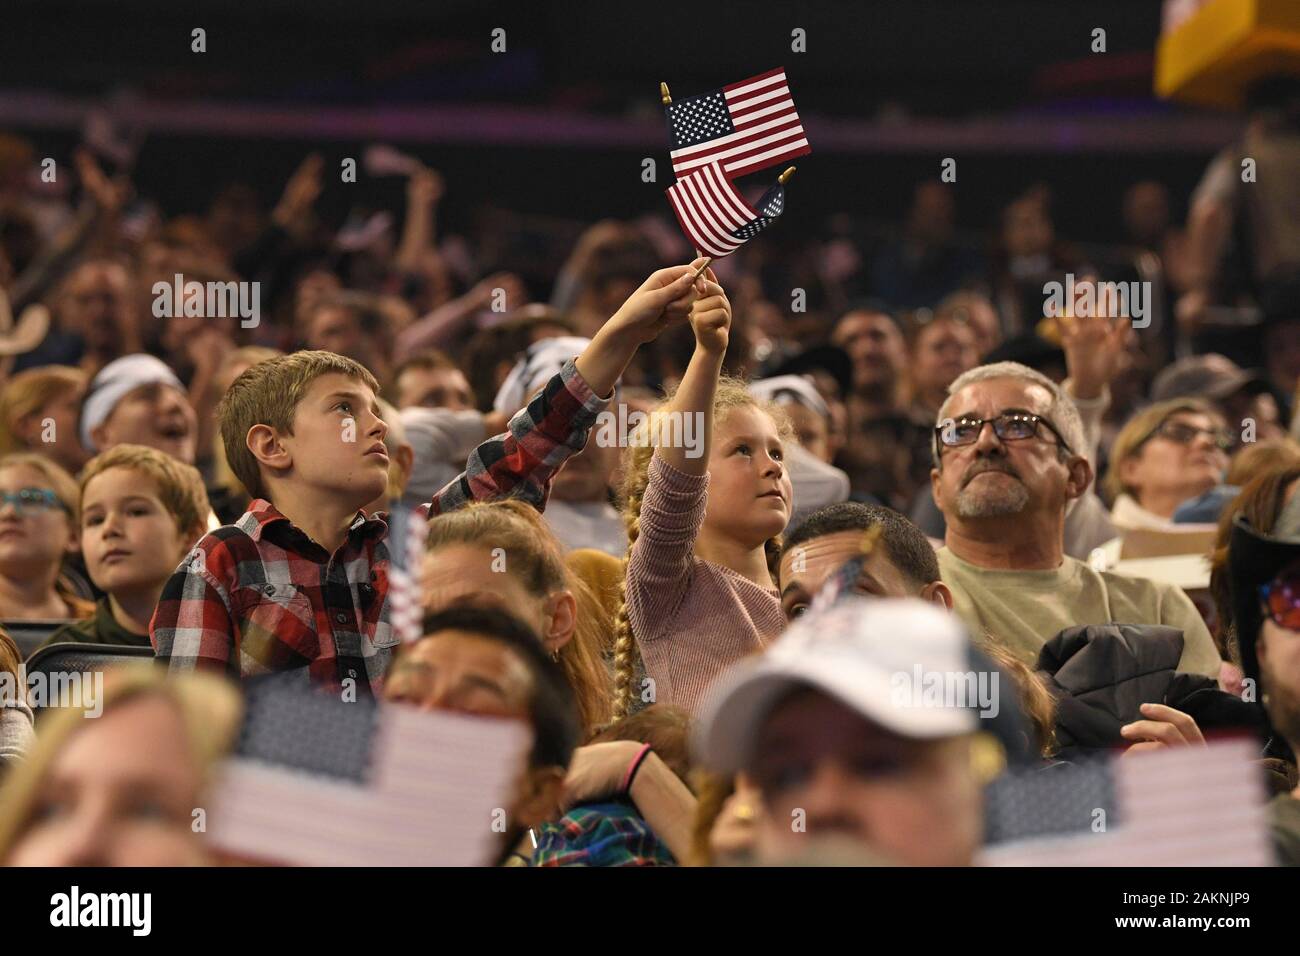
<point>664,94</point>
<point>785,176</point>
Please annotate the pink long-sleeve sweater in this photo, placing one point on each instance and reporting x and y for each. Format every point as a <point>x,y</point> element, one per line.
<point>691,617</point>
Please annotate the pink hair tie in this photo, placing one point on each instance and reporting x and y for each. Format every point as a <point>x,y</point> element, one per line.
<point>633,768</point>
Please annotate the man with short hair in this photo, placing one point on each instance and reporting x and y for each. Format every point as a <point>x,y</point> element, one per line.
<point>885,453</point>
<point>902,563</point>
<point>1006,466</point>
<point>430,379</point>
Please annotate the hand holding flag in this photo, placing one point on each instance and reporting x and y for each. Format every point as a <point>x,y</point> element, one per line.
<point>664,299</point>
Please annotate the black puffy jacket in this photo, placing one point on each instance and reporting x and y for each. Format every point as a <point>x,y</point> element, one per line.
<point>1101,673</point>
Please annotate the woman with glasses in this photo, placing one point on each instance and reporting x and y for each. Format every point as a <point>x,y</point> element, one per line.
<point>38,531</point>
<point>1165,455</point>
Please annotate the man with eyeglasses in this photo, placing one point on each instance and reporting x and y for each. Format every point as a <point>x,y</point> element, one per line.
<point>1006,466</point>
<point>1264,570</point>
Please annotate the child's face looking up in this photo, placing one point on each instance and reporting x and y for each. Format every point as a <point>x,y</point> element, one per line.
<point>338,439</point>
<point>749,488</point>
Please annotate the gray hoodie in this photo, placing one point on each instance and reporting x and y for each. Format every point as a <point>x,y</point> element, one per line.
<point>16,733</point>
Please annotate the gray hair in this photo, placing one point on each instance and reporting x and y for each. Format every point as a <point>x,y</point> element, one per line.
<point>1062,411</point>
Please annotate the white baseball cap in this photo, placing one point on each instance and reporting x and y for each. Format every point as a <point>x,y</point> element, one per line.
<point>864,652</point>
<point>540,363</point>
<point>790,390</point>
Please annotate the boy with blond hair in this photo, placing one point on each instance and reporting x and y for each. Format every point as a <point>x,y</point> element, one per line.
<point>300,581</point>
<point>141,512</point>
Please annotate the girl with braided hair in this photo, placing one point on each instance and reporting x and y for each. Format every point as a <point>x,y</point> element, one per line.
<point>704,526</point>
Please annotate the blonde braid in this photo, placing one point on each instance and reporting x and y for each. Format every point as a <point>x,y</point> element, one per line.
<point>635,478</point>
<point>625,652</point>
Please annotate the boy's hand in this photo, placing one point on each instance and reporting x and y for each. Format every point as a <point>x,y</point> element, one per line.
<point>711,317</point>
<point>664,299</point>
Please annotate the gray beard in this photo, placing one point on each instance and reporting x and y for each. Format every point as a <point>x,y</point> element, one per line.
<point>990,503</point>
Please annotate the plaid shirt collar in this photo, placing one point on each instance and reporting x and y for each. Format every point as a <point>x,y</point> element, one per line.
<point>264,520</point>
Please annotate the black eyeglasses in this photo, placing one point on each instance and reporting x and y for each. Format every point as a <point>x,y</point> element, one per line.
<point>1183,434</point>
<point>1008,426</point>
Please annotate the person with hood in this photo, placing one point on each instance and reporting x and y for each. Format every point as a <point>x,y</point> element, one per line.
<point>1264,572</point>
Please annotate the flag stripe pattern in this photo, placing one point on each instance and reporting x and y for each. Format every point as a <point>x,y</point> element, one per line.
<point>1188,806</point>
<point>744,127</point>
<point>714,215</point>
<point>408,529</point>
<point>319,781</point>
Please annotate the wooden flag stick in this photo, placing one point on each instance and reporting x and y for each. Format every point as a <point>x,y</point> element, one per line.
<point>785,176</point>
<point>664,94</point>
<point>700,271</point>
<point>870,537</point>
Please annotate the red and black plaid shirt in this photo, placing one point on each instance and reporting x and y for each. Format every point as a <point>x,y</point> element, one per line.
<point>260,597</point>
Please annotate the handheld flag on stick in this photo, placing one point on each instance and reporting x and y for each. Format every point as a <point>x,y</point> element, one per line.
<point>744,127</point>
<point>1181,806</point>
<point>714,215</point>
<point>407,531</point>
<point>719,136</point>
<point>318,781</point>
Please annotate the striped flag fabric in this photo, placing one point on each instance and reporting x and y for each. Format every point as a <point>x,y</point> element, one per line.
<point>715,216</point>
<point>744,127</point>
<point>320,781</point>
<point>1184,806</point>
<point>407,531</point>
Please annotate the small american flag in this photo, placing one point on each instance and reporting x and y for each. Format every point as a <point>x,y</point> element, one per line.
<point>319,781</point>
<point>745,127</point>
<point>407,532</point>
<point>1185,806</point>
<point>714,215</point>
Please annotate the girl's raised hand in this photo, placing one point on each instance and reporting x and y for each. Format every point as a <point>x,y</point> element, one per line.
<point>664,299</point>
<point>711,316</point>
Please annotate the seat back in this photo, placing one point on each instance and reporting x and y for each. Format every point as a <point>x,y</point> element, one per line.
<point>29,635</point>
<point>50,667</point>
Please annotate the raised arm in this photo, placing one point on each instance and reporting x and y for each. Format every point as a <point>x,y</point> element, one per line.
<point>672,508</point>
<point>711,320</point>
<point>543,435</point>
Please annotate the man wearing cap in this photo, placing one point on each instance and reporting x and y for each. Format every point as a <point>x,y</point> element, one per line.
<point>859,726</point>
<point>1264,571</point>
<point>1240,394</point>
<point>138,400</point>
<point>1007,465</point>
